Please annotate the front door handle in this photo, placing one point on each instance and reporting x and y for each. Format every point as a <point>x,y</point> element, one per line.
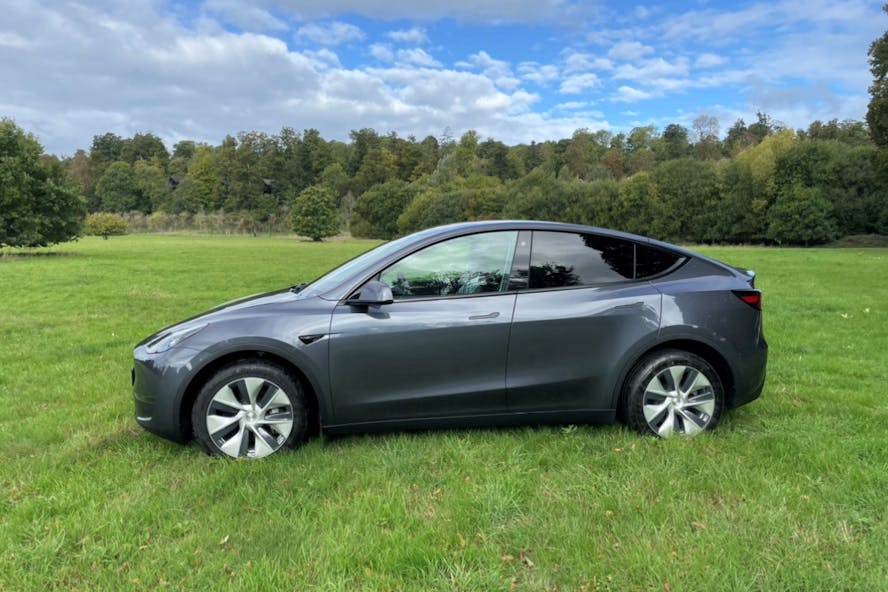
<point>491,315</point>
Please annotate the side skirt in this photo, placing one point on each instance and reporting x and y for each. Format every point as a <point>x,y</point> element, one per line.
<point>580,416</point>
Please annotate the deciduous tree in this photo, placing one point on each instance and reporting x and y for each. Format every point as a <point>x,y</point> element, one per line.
<point>877,110</point>
<point>38,207</point>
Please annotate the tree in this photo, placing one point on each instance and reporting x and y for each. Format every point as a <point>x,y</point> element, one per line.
<point>706,130</point>
<point>201,189</point>
<point>117,190</point>
<point>674,142</point>
<point>315,214</point>
<point>763,127</point>
<point>801,216</point>
<point>78,170</point>
<point>578,155</point>
<point>688,190</point>
<point>105,149</point>
<point>377,167</point>
<point>151,183</point>
<point>475,198</point>
<point>144,147</point>
<point>376,211</point>
<point>38,207</point>
<point>634,208</point>
<point>541,196</point>
<point>877,110</point>
<point>104,224</point>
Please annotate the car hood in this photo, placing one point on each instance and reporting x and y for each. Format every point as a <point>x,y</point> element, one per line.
<point>229,309</point>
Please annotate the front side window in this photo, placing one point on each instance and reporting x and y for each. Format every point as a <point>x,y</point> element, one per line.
<point>475,264</point>
<point>565,259</point>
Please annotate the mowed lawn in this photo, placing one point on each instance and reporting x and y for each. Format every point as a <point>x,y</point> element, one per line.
<point>790,493</point>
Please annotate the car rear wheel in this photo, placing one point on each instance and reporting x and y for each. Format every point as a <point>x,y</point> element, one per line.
<point>673,392</point>
<point>250,409</point>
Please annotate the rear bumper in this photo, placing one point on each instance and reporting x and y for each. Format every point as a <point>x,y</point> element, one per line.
<point>750,375</point>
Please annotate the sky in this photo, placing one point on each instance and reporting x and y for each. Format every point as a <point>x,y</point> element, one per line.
<point>513,70</point>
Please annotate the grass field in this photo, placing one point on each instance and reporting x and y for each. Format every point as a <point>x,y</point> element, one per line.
<point>791,492</point>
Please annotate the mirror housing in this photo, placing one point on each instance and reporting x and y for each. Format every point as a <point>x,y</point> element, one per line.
<point>374,293</point>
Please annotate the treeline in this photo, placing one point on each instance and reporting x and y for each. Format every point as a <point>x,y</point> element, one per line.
<point>759,183</point>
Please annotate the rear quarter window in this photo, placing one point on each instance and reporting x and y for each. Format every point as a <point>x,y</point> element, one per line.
<point>651,261</point>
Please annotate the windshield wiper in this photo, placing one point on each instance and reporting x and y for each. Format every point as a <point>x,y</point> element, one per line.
<point>298,287</point>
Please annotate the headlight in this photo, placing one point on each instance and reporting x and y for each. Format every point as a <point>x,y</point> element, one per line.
<point>168,340</point>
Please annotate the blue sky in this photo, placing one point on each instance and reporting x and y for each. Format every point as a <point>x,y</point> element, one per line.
<point>514,70</point>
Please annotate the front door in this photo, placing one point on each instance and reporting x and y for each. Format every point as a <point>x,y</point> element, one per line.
<point>440,349</point>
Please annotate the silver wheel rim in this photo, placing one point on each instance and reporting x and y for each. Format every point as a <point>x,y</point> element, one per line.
<point>679,399</point>
<point>250,417</point>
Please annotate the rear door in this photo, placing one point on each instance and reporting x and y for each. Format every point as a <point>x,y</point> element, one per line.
<point>583,309</point>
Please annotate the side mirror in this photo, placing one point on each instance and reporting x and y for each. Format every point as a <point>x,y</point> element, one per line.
<point>374,293</point>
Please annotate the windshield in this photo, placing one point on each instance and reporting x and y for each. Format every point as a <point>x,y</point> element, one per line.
<point>327,282</point>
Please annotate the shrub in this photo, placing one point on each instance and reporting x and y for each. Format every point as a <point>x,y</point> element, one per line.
<point>315,213</point>
<point>105,224</point>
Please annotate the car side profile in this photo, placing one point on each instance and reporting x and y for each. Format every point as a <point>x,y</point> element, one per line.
<point>471,324</point>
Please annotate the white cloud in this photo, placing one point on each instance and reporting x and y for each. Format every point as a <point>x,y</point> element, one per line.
<point>414,35</point>
<point>497,70</point>
<point>244,15</point>
<point>382,52</point>
<point>629,50</point>
<point>505,11</point>
<point>652,69</point>
<point>72,69</point>
<point>724,25</point>
<point>332,33</point>
<point>627,94</point>
<point>709,60</point>
<point>583,62</point>
<point>416,57</point>
<point>538,73</point>
<point>13,39</point>
<point>573,105</point>
<point>641,12</point>
<point>323,58</point>
<point>578,83</point>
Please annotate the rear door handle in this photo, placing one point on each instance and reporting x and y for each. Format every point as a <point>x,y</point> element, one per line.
<point>491,315</point>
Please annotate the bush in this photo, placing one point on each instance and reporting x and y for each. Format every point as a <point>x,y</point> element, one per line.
<point>315,214</point>
<point>105,224</point>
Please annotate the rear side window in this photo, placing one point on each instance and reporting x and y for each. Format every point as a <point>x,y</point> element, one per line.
<point>563,259</point>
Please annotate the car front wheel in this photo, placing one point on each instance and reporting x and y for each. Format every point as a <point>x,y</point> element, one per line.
<point>673,392</point>
<point>250,409</point>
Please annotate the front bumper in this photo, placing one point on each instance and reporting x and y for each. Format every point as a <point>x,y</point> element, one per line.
<point>159,383</point>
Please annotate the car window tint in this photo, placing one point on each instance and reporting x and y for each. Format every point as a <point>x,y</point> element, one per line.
<point>651,261</point>
<point>561,259</point>
<point>475,264</point>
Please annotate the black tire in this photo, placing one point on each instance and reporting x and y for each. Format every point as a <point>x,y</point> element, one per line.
<point>694,407</point>
<point>256,409</point>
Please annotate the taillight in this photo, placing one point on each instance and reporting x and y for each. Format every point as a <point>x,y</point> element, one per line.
<point>751,297</point>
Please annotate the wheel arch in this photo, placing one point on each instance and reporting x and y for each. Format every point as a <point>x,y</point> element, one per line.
<point>191,390</point>
<point>697,347</point>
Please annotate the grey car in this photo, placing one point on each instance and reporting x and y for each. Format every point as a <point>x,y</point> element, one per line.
<point>480,323</point>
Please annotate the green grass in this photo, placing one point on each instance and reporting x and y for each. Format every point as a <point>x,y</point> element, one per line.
<point>790,493</point>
